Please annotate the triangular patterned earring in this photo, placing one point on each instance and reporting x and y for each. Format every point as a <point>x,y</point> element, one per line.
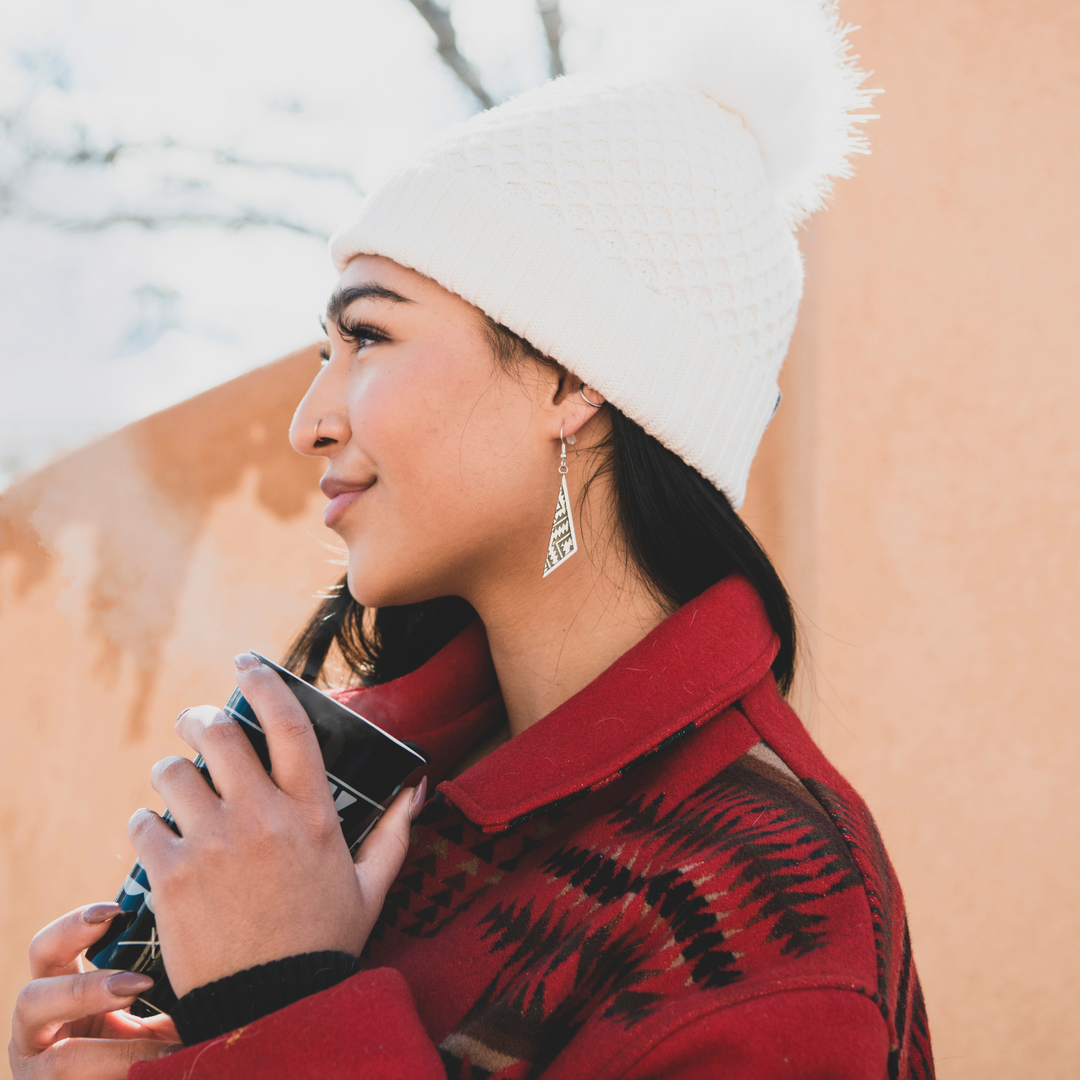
<point>563,542</point>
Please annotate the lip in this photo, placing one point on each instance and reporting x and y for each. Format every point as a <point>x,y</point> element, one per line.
<point>342,494</point>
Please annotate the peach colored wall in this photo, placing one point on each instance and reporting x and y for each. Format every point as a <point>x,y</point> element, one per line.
<point>919,489</point>
<point>130,573</point>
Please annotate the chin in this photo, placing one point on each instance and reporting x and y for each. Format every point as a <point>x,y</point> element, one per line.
<point>376,587</point>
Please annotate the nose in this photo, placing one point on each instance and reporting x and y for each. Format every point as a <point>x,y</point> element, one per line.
<point>320,423</point>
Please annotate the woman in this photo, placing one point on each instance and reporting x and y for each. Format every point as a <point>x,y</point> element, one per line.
<point>632,861</point>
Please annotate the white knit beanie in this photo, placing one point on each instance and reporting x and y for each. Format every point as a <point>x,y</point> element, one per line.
<point>641,232</point>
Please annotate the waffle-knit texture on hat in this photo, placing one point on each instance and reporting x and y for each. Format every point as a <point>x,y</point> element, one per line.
<point>627,231</point>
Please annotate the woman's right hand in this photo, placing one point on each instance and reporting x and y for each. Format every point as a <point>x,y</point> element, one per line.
<point>73,1022</point>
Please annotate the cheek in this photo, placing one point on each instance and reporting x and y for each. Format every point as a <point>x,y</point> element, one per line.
<point>418,436</point>
<point>461,474</point>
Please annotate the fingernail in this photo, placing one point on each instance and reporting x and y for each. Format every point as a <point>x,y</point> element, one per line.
<point>181,713</point>
<point>246,661</point>
<point>417,803</point>
<point>170,1048</point>
<point>99,913</point>
<point>128,983</point>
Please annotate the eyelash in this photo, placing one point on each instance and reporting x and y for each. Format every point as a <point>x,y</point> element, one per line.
<point>356,333</point>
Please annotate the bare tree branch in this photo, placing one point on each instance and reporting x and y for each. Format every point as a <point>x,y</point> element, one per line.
<point>438,19</point>
<point>314,172</point>
<point>551,17</point>
<point>31,152</point>
<point>249,219</point>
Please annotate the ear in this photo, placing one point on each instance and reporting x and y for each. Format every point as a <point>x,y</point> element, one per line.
<point>570,412</point>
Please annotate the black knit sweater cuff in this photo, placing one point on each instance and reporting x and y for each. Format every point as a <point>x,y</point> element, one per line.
<point>236,1000</point>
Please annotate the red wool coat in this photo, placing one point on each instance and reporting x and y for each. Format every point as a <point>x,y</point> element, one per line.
<point>663,878</point>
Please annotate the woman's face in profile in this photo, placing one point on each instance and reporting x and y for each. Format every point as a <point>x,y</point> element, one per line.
<point>441,467</point>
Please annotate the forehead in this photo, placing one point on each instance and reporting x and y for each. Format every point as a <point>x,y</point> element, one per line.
<point>377,270</point>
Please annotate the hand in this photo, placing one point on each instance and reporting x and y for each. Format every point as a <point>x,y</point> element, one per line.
<point>261,870</point>
<point>71,1022</point>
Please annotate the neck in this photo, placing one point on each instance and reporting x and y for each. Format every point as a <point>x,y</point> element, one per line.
<point>550,637</point>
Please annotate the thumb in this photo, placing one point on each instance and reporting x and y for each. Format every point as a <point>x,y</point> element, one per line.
<point>381,855</point>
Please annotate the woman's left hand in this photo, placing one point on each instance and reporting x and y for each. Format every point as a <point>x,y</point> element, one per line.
<point>261,870</point>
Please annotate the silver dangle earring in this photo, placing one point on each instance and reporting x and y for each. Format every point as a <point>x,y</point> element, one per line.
<point>563,542</point>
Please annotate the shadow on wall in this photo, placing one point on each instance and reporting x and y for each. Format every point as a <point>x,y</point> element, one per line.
<point>144,495</point>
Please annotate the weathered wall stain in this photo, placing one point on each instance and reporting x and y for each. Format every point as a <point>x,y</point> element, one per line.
<point>146,492</point>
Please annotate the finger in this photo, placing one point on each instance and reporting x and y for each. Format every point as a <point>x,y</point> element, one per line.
<point>102,1059</point>
<point>295,757</point>
<point>45,1005</point>
<point>55,948</point>
<point>185,791</point>
<point>153,840</point>
<point>160,1027</point>
<point>225,748</point>
<point>124,1025</point>
<point>381,855</point>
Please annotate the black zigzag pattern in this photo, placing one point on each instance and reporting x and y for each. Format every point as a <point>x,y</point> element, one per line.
<point>776,851</point>
<point>861,835</point>
<point>787,851</point>
<point>425,900</point>
<point>674,897</point>
<point>892,939</point>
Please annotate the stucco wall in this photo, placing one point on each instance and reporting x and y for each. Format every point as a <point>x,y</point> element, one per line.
<point>130,573</point>
<point>919,489</point>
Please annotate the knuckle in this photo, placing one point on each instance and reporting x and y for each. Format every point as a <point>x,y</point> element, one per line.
<point>141,826</point>
<point>27,996</point>
<point>130,1051</point>
<point>269,829</point>
<point>39,947</point>
<point>401,843</point>
<point>83,989</point>
<point>65,1058</point>
<point>171,876</point>
<point>220,730</point>
<point>325,826</point>
<point>291,725</point>
<point>171,768</point>
<point>214,843</point>
<point>194,715</point>
<point>138,822</point>
<point>329,821</point>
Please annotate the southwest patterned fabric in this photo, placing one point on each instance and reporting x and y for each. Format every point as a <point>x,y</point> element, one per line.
<point>663,878</point>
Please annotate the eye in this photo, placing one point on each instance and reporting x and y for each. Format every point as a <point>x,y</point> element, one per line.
<point>362,335</point>
<point>324,353</point>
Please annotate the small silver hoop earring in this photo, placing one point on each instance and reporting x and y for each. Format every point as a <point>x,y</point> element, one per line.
<point>594,404</point>
<point>563,541</point>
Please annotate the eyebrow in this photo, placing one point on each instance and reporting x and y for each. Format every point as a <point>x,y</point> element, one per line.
<point>340,299</point>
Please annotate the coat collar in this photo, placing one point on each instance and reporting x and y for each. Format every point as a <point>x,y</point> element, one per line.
<point>693,665</point>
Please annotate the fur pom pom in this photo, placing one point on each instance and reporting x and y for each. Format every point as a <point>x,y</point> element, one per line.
<point>785,66</point>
